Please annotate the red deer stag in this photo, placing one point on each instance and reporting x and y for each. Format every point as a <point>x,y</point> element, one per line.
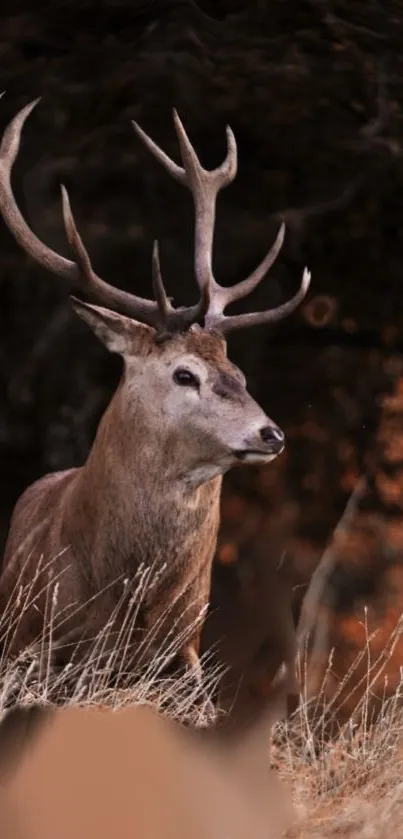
<point>149,491</point>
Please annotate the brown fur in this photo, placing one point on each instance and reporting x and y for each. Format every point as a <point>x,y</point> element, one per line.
<point>105,535</point>
<point>129,507</point>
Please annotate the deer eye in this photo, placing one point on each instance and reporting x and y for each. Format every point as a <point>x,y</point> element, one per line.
<point>185,378</point>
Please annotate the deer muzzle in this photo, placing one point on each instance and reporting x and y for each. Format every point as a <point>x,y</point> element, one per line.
<point>264,446</point>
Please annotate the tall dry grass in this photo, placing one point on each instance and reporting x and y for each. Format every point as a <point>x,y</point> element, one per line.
<point>32,676</point>
<point>351,785</point>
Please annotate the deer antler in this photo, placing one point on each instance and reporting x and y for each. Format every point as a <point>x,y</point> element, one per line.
<point>159,314</point>
<point>205,186</point>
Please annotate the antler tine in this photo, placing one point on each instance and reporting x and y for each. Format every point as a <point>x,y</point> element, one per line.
<point>224,296</point>
<point>174,319</point>
<point>223,324</point>
<point>25,237</point>
<point>245,287</point>
<point>158,285</point>
<point>222,175</point>
<point>79,273</point>
<point>171,167</point>
<point>205,186</point>
<point>146,311</point>
<point>74,239</point>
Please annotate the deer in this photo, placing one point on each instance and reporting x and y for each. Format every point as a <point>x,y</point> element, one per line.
<point>148,494</point>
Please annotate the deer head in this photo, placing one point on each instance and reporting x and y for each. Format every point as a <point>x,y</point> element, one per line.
<point>176,371</point>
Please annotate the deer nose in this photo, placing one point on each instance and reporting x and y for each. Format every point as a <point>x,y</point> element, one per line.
<point>273,437</point>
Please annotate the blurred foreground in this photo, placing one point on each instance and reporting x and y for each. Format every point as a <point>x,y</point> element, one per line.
<point>85,771</point>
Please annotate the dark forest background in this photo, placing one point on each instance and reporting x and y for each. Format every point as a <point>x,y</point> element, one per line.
<point>313,92</point>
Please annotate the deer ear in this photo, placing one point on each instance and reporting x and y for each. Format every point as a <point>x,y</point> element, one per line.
<point>120,334</point>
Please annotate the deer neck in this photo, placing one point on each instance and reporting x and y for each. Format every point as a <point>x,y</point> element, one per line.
<point>135,496</point>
